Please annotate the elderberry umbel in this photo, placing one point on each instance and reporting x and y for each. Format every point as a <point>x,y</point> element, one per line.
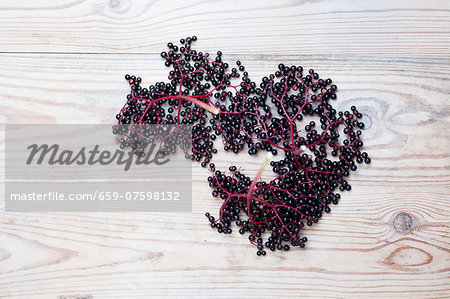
<point>289,115</point>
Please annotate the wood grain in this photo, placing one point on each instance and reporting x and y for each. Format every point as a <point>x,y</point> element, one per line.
<point>302,27</point>
<point>389,58</point>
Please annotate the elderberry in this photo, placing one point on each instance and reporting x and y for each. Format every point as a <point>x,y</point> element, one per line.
<point>314,158</point>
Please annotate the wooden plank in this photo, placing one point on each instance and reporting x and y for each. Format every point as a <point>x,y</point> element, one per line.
<point>353,252</point>
<point>259,26</point>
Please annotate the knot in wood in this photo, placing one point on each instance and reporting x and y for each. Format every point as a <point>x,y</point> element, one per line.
<point>402,222</point>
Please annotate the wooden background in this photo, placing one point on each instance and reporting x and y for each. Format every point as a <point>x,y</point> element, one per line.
<point>64,61</point>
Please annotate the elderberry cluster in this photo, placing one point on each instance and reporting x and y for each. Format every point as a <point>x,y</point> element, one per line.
<point>288,113</point>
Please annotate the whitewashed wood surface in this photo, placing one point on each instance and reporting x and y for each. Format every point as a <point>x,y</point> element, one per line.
<point>64,61</point>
